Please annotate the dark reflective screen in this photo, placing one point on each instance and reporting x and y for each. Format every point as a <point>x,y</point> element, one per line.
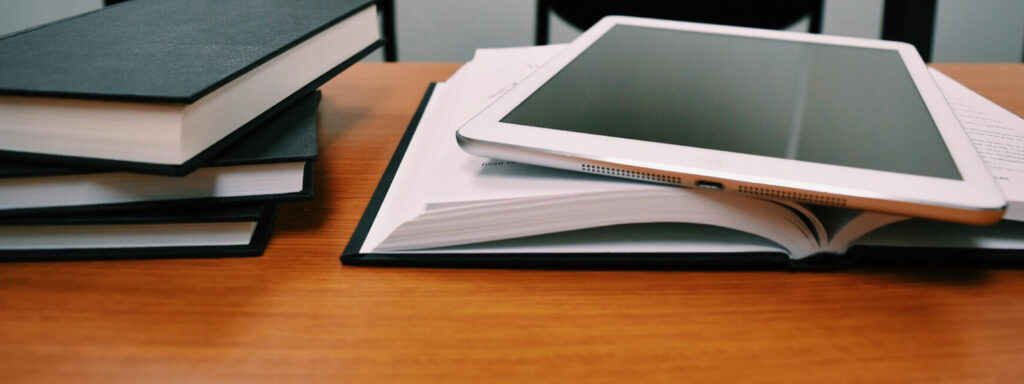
<point>847,106</point>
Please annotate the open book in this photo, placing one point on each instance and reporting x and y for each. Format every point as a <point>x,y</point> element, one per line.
<point>443,202</point>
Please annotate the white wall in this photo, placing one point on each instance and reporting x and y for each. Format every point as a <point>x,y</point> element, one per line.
<point>16,15</point>
<point>449,30</point>
<point>857,18</point>
<point>990,30</point>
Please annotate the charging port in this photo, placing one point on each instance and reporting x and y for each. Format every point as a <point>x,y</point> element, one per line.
<point>708,184</point>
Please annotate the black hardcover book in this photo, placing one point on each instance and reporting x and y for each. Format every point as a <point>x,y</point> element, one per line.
<point>647,227</point>
<point>161,86</point>
<point>273,163</point>
<point>238,230</point>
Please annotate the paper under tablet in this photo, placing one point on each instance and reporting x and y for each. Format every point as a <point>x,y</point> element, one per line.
<point>827,120</point>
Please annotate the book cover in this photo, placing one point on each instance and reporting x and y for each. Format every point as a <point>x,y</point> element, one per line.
<point>190,231</point>
<point>202,73</point>
<point>156,50</point>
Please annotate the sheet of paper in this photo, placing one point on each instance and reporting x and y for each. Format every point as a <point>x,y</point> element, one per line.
<point>461,178</point>
<point>997,134</point>
<point>434,145</point>
<point>446,177</point>
<point>551,214</point>
<point>401,202</point>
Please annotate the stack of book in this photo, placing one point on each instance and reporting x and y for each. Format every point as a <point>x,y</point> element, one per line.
<point>166,128</point>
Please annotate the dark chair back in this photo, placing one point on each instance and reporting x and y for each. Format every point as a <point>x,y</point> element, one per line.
<point>770,14</point>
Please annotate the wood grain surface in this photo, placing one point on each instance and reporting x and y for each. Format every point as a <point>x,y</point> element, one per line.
<point>296,315</point>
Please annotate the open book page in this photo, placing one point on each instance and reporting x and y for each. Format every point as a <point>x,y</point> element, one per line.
<point>402,203</point>
<point>448,198</point>
<point>433,145</point>
<point>844,226</point>
<point>461,178</point>
<point>446,186</point>
<point>470,180</point>
<point>997,135</point>
<point>530,217</point>
<point>405,199</point>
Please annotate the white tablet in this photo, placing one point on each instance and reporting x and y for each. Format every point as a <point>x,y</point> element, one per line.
<point>819,119</point>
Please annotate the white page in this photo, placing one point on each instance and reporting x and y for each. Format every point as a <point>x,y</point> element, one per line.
<point>531,217</point>
<point>406,199</point>
<point>435,179</point>
<point>448,177</point>
<point>461,177</point>
<point>997,135</point>
<point>402,203</point>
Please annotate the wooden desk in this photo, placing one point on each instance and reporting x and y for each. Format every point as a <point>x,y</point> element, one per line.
<point>297,315</point>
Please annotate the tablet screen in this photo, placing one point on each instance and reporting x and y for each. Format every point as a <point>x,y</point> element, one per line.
<point>848,106</point>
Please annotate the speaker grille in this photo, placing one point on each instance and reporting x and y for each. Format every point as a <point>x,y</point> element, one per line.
<point>646,176</point>
<point>796,196</point>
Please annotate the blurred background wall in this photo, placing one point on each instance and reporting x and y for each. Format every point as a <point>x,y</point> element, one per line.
<point>449,30</point>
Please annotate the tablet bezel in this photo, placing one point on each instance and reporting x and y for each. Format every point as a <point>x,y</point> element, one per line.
<point>975,199</point>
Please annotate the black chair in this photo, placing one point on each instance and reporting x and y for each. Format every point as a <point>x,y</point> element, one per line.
<point>386,8</point>
<point>910,21</point>
<point>770,14</point>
